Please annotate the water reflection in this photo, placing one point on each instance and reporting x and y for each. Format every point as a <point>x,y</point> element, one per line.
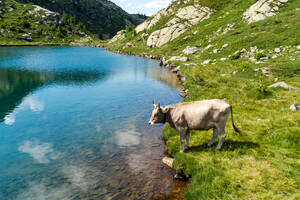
<point>40,152</point>
<point>32,103</point>
<point>15,84</point>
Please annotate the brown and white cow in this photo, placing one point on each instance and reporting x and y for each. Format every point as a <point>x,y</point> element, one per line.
<point>197,115</point>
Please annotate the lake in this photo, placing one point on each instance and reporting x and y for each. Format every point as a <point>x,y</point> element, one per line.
<point>73,124</point>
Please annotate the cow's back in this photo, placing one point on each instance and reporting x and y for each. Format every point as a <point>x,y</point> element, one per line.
<point>201,115</point>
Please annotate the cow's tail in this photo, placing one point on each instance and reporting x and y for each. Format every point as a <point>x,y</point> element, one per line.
<point>234,127</point>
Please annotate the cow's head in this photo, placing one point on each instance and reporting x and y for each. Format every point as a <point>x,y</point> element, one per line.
<point>158,115</point>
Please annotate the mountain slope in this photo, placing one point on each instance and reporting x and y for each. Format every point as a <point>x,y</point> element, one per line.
<point>236,54</point>
<point>32,24</point>
<point>101,17</point>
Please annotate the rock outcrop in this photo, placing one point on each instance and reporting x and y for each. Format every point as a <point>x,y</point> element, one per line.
<point>119,36</point>
<point>153,20</point>
<point>262,9</point>
<point>185,18</point>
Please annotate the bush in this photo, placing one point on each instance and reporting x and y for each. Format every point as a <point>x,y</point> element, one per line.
<point>258,56</point>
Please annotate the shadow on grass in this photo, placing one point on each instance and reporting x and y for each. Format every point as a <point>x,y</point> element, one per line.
<point>228,145</point>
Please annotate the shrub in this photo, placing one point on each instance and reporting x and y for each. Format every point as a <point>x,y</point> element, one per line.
<point>259,55</point>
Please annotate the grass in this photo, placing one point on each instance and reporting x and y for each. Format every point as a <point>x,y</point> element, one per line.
<point>264,163</point>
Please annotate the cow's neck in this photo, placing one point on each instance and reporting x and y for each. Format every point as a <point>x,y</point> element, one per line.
<point>168,119</point>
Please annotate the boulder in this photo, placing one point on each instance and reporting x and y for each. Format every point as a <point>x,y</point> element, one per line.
<point>280,84</point>
<point>262,9</point>
<point>168,161</point>
<point>190,50</point>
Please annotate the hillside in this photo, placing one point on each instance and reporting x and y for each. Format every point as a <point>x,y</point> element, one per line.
<point>101,17</point>
<point>32,25</point>
<point>233,50</point>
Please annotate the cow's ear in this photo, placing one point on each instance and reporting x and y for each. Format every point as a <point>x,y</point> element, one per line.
<point>165,109</point>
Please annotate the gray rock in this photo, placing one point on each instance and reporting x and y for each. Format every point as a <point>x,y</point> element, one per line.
<point>280,84</point>
<point>216,50</point>
<point>128,44</point>
<point>264,58</point>
<point>266,71</point>
<point>225,46</point>
<point>277,50</point>
<point>26,37</point>
<point>178,58</point>
<point>205,62</point>
<point>294,107</point>
<point>298,47</point>
<point>190,50</point>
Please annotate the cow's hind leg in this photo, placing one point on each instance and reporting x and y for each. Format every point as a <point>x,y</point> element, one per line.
<point>222,136</point>
<point>215,134</point>
<point>182,132</point>
<point>187,138</point>
<point>182,136</point>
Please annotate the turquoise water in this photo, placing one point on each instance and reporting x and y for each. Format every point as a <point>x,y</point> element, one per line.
<point>73,124</point>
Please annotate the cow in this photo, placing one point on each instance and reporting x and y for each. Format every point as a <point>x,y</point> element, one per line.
<point>197,115</point>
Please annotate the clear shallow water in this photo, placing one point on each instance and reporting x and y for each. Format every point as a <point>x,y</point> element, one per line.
<point>73,124</point>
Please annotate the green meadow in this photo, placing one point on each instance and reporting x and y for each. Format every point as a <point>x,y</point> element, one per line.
<point>264,163</point>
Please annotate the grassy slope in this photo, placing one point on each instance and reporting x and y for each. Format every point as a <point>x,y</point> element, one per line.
<point>19,21</point>
<point>265,163</point>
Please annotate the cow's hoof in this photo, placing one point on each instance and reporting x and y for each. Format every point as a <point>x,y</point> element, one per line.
<point>187,148</point>
<point>181,151</point>
<point>209,145</point>
<point>218,148</point>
